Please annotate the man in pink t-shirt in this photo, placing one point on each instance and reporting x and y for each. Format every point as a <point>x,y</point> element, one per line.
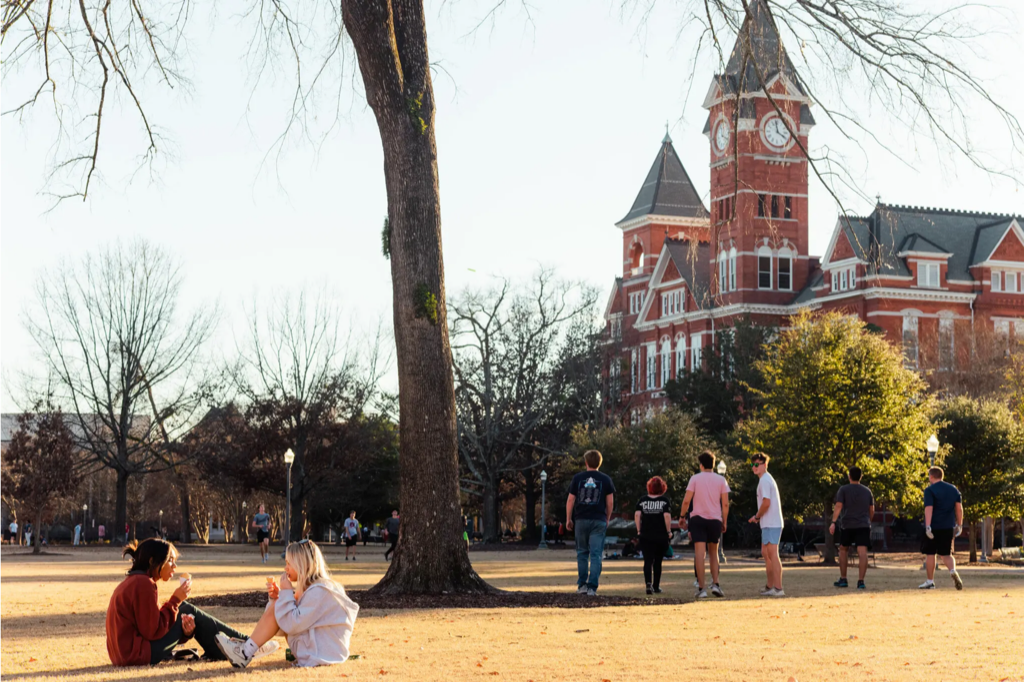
<point>709,493</point>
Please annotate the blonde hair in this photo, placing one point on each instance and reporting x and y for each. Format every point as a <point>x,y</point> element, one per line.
<point>308,562</point>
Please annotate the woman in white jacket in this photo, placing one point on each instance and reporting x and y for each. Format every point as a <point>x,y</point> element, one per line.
<point>308,607</point>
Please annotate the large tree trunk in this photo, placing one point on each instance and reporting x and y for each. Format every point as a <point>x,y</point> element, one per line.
<point>530,497</point>
<point>37,530</point>
<point>972,534</point>
<point>829,553</point>
<point>186,529</point>
<point>390,39</point>
<point>120,508</point>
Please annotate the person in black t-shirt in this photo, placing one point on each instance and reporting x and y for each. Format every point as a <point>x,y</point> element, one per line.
<point>653,518</point>
<point>588,510</point>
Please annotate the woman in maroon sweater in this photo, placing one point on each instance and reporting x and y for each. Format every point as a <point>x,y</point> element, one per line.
<point>139,630</point>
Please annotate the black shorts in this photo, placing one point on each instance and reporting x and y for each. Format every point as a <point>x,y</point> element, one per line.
<point>941,544</point>
<point>350,542</point>
<point>855,536</point>
<point>705,530</point>
<point>261,535</point>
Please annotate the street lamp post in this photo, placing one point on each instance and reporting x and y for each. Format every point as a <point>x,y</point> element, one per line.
<point>85,509</point>
<point>245,523</point>
<point>543,516</point>
<point>933,447</point>
<point>289,457</point>
<point>160,525</point>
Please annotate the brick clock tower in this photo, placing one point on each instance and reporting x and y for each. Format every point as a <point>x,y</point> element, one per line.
<point>758,124</point>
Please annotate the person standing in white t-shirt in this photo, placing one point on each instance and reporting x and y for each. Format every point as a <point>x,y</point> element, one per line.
<point>769,516</point>
<point>352,533</point>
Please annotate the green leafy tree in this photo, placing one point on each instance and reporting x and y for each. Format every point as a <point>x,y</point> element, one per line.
<point>721,392</point>
<point>836,395</point>
<point>982,458</point>
<point>666,445</point>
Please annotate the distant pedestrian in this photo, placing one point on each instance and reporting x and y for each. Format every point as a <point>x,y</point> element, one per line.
<point>769,516</point>
<point>352,533</point>
<point>653,517</point>
<point>588,511</point>
<point>78,534</point>
<point>261,522</point>
<point>366,534</point>
<point>28,533</point>
<point>943,521</point>
<point>101,531</point>
<point>13,530</point>
<point>709,493</point>
<point>391,527</point>
<point>467,534</point>
<point>856,504</point>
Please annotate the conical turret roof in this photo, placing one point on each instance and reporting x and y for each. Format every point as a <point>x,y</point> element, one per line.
<point>667,190</point>
<point>764,53</point>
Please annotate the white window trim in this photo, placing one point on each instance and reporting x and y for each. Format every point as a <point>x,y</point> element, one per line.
<point>765,252</point>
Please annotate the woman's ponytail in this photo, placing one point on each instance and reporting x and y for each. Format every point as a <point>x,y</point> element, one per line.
<point>149,555</point>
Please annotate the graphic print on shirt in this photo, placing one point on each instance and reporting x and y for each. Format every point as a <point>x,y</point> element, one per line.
<point>590,492</point>
<point>351,527</point>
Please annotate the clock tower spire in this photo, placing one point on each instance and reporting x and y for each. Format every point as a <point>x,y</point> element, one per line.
<point>758,123</point>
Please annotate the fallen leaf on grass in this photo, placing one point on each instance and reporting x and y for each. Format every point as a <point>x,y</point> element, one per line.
<point>584,630</point>
<point>31,660</point>
<point>383,671</point>
<point>479,665</point>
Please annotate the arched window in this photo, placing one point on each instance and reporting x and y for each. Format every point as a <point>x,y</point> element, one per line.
<point>722,274</point>
<point>680,353</point>
<point>785,269</point>
<point>666,361</point>
<point>732,269</point>
<point>636,258</point>
<point>910,338</point>
<point>764,268</point>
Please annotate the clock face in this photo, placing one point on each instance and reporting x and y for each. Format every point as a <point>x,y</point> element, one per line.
<point>722,136</point>
<point>776,133</point>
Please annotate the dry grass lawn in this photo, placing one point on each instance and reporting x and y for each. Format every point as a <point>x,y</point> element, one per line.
<point>52,611</point>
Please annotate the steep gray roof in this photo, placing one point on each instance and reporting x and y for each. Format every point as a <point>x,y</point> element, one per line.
<point>692,262</point>
<point>667,190</point>
<point>807,293</point>
<point>765,53</point>
<point>890,230</point>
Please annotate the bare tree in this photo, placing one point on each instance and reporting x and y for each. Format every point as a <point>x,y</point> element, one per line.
<point>506,344</point>
<point>103,48</point>
<point>126,360</point>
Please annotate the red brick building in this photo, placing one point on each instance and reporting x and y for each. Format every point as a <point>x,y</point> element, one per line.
<point>932,279</point>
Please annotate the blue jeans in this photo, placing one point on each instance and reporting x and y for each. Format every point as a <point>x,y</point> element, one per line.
<point>589,545</point>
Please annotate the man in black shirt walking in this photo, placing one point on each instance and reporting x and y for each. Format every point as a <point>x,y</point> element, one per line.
<point>588,511</point>
<point>391,526</point>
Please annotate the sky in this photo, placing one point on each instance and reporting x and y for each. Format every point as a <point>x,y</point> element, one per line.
<point>546,126</point>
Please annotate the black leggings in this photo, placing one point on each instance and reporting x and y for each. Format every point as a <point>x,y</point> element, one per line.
<point>654,554</point>
<point>394,543</point>
<point>207,628</point>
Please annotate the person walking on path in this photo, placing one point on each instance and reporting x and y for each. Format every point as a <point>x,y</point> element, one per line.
<point>78,534</point>
<point>352,533</point>
<point>261,522</point>
<point>101,531</point>
<point>13,530</point>
<point>709,494</point>
<point>391,527</point>
<point>653,519</point>
<point>943,521</point>
<point>857,507</point>
<point>769,516</point>
<point>588,511</point>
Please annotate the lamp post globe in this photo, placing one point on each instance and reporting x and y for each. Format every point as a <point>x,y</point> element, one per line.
<point>933,447</point>
<point>721,468</point>
<point>543,516</point>
<point>85,508</point>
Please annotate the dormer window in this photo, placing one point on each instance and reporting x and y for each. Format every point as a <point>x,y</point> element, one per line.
<point>928,275</point>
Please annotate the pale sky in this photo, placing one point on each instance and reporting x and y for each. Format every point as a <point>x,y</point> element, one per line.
<point>545,131</point>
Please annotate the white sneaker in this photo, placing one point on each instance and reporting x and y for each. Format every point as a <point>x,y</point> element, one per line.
<point>591,592</point>
<point>701,594</point>
<point>768,592</point>
<point>717,591</point>
<point>233,649</point>
<point>956,580</point>
<point>778,593</point>
<point>927,585</point>
<point>267,649</point>
<point>582,589</point>
<point>696,584</point>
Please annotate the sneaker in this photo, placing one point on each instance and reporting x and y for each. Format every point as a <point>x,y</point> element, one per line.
<point>696,584</point>
<point>650,590</point>
<point>841,583</point>
<point>346,558</point>
<point>717,591</point>
<point>657,590</point>
<point>582,589</point>
<point>267,649</point>
<point>861,585</point>
<point>956,580</point>
<point>353,558</point>
<point>701,594</point>
<point>927,585</point>
<point>767,592</point>
<point>591,592</point>
<point>778,593</point>
<point>233,650</point>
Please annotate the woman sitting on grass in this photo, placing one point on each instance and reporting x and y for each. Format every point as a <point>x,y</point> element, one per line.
<point>309,608</point>
<point>139,630</point>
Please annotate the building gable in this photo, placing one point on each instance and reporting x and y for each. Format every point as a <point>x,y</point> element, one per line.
<point>843,249</point>
<point>671,273</point>
<point>1010,248</point>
